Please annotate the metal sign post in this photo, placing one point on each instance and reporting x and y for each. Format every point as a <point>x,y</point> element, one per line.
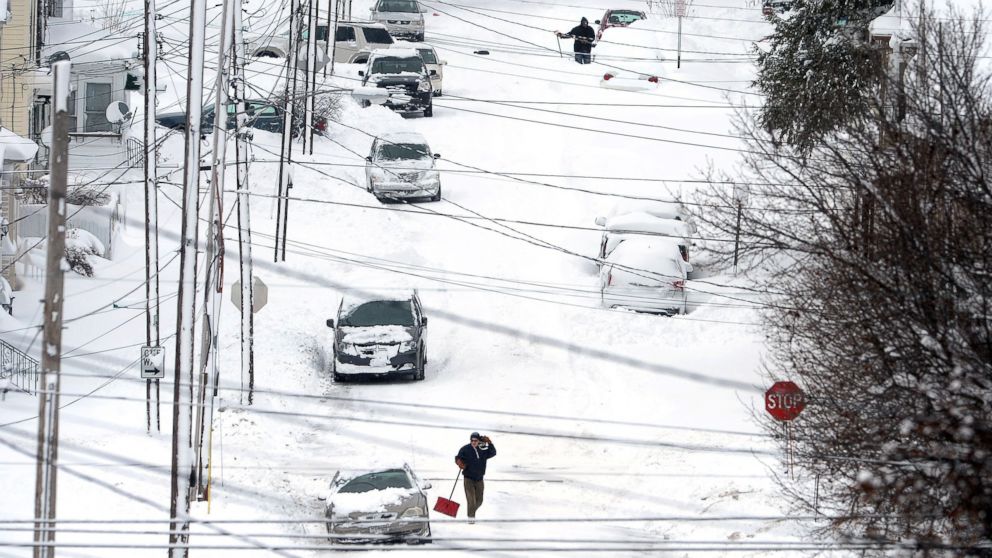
<point>680,13</point>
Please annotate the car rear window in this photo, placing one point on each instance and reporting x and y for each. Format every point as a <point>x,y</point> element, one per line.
<point>393,478</point>
<point>380,312</point>
<point>427,55</point>
<point>403,151</point>
<point>394,65</point>
<point>377,36</point>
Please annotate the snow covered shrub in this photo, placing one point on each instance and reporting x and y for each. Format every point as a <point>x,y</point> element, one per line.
<point>874,249</point>
<point>327,109</point>
<point>79,245</point>
<point>35,190</point>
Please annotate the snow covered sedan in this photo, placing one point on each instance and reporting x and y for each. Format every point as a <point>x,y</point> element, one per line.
<point>401,166</point>
<point>630,57</point>
<point>384,504</point>
<point>382,336</point>
<point>645,275</point>
<point>404,77</point>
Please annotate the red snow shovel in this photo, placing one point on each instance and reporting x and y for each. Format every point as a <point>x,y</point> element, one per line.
<point>447,506</point>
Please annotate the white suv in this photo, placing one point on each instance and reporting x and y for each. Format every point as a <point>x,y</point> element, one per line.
<point>403,18</point>
<point>353,42</point>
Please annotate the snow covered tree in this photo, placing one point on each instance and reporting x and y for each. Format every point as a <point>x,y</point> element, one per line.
<point>884,317</point>
<point>818,71</point>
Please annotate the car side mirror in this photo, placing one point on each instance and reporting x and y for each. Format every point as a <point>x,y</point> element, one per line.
<point>426,485</point>
<point>330,322</point>
<point>442,62</point>
<point>437,155</point>
<point>369,158</point>
<point>597,22</point>
<point>601,221</point>
<point>361,72</point>
<point>433,72</point>
<point>423,320</point>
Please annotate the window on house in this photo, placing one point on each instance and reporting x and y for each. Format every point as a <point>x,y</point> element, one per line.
<point>97,99</point>
<point>73,121</point>
<point>55,8</point>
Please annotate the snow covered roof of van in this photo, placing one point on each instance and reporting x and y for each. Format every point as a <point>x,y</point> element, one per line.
<point>646,222</point>
<point>403,137</point>
<point>352,299</point>
<point>396,53</point>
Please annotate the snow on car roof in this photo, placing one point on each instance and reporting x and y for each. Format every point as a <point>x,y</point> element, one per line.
<point>660,209</point>
<point>645,222</point>
<point>353,298</point>
<point>403,137</point>
<point>395,53</point>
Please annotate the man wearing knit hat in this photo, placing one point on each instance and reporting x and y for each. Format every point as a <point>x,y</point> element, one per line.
<point>471,459</point>
<point>585,38</point>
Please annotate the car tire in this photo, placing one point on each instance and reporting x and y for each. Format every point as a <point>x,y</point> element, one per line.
<point>429,111</point>
<point>366,104</point>
<point>419,38</point>
<point>338,378</point>
<point>437,196</point>
<point>437,92</point>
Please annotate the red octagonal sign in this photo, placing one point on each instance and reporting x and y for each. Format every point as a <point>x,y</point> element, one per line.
<point>784,401</point>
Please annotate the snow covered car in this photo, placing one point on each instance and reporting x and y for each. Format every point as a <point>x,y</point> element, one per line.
<point>631,56</point>
<point>400,165</point>
<point>403,18</point>
<point>618,18</point>
<point>380,335</point>
<point>645,275</point>
<point>382,504</point>
<point>640,224</point>
<point>402,73</point>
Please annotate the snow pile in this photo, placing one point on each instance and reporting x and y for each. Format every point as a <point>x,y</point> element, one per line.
<point>371,501</point>
<point>376,334</point>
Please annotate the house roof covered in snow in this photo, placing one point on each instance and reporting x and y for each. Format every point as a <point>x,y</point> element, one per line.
<point>85,43</point>
<point>15,148</point>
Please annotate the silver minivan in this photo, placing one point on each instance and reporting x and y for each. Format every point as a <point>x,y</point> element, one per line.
<point>402,18</point>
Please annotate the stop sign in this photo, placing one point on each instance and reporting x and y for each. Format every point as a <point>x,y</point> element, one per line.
<point>784,401</point>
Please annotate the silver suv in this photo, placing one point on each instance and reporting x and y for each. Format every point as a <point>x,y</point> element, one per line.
<point>402,18</point>
<point>353,42</point>
<point>400,166</point>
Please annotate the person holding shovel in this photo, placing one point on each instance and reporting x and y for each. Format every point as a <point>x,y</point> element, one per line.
<point>584,36</point>
<point>471,459</point>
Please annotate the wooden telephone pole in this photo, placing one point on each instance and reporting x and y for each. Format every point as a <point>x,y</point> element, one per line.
<point>152,336</point>
<point>182,406</point>
<point>51,354</point>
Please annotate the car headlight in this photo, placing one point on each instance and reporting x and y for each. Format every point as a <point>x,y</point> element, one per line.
<point>424,86</point>
<point>407,346</point>
<point>415,511</point>
<point>428,175</point>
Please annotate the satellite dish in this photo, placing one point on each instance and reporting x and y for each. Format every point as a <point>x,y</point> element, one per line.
<point>46,136</point>
<point>118,112</point>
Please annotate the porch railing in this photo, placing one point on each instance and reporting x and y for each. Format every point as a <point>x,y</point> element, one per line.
<point>21,370</point>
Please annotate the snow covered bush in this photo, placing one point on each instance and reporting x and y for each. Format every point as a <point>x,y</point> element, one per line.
<point>874,247</point>
<point>35,190</point>
<point>327,108</point>
<point>79,245</point>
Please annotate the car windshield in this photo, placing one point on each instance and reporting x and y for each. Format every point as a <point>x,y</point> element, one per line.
<point>380,312</point>
<point>393,478</point>
<point>398,6</point>
<point>427,55</point>
<point>377,36</point>
<point>394,65</point>
<point>403,151</point>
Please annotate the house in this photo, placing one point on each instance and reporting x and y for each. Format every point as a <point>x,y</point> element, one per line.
<point>16,153</point>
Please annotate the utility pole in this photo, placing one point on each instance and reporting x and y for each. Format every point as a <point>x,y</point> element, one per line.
<point>680,12</point>
<point>331,32</point>
<point>152,336</point>
<point>310,90</point>
<point>212,281</point>
<point>333,35</point>
<point>286,151</point>
<point>51,354</point>
<point>244,209</point>
<point>182,409</point>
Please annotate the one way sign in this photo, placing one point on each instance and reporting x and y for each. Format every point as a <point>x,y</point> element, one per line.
<point>152,362</point>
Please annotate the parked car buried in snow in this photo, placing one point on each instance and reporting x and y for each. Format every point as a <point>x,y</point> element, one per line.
<point>640,224</point>
<point>400,166</point>
<point>402,73</point>
<point>380,505</point>
<point>645,275</point>
<point>261,115</point>
<point>631,56</point>
<point>382,336</point>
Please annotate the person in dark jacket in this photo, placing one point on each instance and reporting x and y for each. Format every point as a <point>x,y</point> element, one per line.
<point>471,459</point>
<point>584,36</point>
